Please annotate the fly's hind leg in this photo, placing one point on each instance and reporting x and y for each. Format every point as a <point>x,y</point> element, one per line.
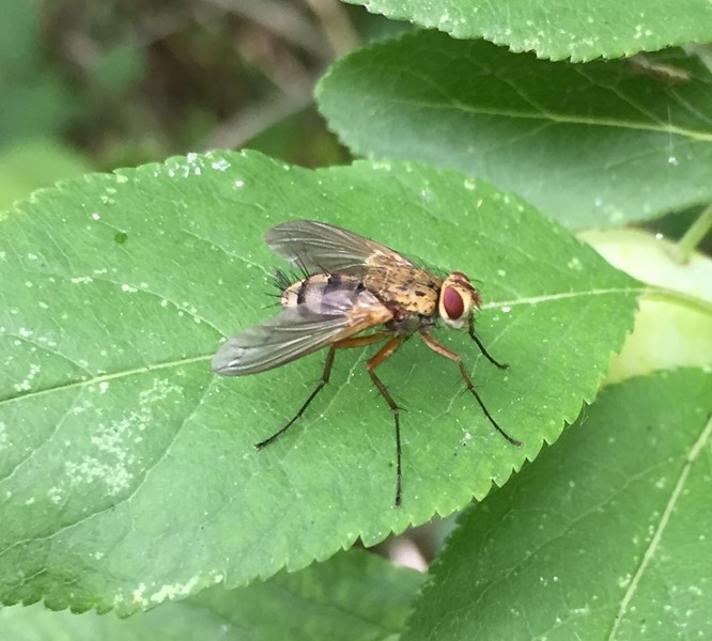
<point>444,351</point>
<point>380,356</point>
<point>357,341</point>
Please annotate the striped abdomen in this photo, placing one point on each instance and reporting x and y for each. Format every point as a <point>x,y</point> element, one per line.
<point>322,293</point>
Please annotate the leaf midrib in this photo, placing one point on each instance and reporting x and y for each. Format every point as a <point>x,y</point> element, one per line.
<point>548,116</point>
<point>530,300</point>
<point>107,377</point>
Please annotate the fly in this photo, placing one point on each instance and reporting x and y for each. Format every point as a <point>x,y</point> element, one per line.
<point>351,284</point>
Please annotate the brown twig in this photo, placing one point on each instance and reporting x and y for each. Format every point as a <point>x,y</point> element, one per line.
<point>280,18</point>
<point>335,24</point>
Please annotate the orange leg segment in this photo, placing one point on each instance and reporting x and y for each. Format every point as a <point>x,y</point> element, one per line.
<point>387,350</point>
<point>361,341</point>
<point>356,341</point>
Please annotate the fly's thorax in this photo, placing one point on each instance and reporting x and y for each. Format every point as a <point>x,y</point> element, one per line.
<point>407,289</point>
<point>321,293</point>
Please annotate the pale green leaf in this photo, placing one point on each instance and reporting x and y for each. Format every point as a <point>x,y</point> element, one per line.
<point>556,30</point>
<point>605,537</point>
<point>593,145</point>
<point>673,327</point>
<point>354,596</point>
<point>128,469</point>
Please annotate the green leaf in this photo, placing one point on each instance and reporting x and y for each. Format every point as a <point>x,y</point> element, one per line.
<point>354,596</point>
<point>592,145</point>
<point>127,463</point>
<point>605,537</point>
<point>605,28</point>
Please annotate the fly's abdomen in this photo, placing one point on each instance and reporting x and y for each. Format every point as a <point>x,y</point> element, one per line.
<point>322,293</point>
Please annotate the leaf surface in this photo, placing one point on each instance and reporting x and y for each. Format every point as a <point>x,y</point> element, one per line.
<point>594,145</point>
<point>125,462</point>
<point>353,596</point>
<point>605,537</point>
<point>557,30</point>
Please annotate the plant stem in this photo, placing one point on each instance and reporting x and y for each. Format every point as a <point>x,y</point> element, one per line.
<point>672,295</point>
<point>686,245</point>
<point>336,25</point>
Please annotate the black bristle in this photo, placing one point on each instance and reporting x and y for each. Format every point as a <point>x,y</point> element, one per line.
<point>302,266</point>
<point>282,280</point>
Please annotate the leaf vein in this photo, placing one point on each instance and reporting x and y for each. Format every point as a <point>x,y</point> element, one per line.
<point>662,524</point>
<point>106,377</point>
<point>556,118</point>
<point>135,491</point>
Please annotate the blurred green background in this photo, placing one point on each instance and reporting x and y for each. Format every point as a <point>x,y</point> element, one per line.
<point>98,85</point>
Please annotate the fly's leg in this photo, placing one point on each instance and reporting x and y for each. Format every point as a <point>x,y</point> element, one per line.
<point>320,385</point>
<point>444,351</point>
<point>380,356</point>
<point>484,351</point>
<point>358,341</point>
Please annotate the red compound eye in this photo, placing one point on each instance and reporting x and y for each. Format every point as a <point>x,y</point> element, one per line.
<point>452,302</point>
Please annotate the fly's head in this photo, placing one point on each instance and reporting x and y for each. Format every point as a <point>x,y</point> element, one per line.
<point>458,299</point>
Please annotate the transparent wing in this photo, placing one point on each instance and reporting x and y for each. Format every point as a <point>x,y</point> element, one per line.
<point>321,247</point>
<point>298,331</point>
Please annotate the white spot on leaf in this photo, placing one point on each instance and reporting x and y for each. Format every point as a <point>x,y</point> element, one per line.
<point>55,495</point>
<point>171,591</point>
<point>25,385</point>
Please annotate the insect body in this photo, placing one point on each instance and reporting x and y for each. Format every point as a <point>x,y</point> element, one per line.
<point>352,284</point>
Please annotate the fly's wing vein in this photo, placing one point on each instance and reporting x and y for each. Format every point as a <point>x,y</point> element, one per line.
<point>322,247</point>
<point>296,332</point>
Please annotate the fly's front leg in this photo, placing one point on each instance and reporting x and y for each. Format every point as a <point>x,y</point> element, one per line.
<point>357,341</point>
<point>380,356</point>
<point>484,351</point>
<point>444,351</point>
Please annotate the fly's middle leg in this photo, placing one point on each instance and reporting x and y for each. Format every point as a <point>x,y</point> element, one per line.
<point>380,356</point>
<point>357,341</point>
<point>444,351</point>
